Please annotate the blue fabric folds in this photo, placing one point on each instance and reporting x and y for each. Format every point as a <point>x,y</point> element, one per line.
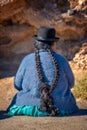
<point>26,110</point>
<point>32,111</point>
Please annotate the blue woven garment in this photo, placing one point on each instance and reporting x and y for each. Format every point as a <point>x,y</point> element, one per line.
<point>28,85</point>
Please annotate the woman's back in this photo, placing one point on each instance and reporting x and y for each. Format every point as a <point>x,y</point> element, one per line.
<point>31,85</point>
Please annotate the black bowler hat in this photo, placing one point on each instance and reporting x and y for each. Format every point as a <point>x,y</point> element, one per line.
<point>46,34</point>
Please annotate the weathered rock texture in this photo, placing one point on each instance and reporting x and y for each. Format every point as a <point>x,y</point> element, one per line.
<point>20,19</point>
<point>79,5</point>
<point>81,57</point>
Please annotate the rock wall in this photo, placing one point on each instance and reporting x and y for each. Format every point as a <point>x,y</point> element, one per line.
<point>79,6</point>
<point>20,19</point>
<point>81,57</point>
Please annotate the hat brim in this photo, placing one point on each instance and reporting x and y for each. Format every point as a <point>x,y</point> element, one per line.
<point>43,39</point>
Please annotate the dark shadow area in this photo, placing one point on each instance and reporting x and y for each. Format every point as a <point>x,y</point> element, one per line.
<point>80,112</point>
<point>4,115</point>
<point>6,74</point>
<point>9,65</point>
<point>7,68</point>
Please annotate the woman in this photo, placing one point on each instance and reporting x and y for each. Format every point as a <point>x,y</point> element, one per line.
<point>44,80</point>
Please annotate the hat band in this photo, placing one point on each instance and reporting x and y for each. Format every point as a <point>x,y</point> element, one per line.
<point>39,38</point>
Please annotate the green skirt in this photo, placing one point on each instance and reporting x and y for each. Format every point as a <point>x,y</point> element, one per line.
<point>31,111</point>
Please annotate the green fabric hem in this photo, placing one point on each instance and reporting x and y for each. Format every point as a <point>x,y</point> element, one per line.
<point>26,110</point>
<point>32,111</point>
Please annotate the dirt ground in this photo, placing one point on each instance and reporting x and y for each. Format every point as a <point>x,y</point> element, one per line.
<point>44,123</point>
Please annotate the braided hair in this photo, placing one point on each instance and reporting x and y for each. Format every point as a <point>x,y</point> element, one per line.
<point>46,99</point>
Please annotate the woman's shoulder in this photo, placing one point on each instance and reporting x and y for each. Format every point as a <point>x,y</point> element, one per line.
<point>28,57</point>
<point>60,57</point>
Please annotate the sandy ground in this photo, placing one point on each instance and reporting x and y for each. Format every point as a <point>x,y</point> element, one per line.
<point>47,123</point>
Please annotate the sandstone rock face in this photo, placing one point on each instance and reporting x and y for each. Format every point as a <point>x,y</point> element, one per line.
<point>4,2</point>
<point>81,57</point>
<point>20,19</point>
<point>79,5</point>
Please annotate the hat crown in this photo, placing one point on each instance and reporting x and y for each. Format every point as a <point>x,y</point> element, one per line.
<point>46,33</point>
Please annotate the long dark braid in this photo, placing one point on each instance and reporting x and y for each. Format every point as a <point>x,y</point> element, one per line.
<point>46,100</point>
